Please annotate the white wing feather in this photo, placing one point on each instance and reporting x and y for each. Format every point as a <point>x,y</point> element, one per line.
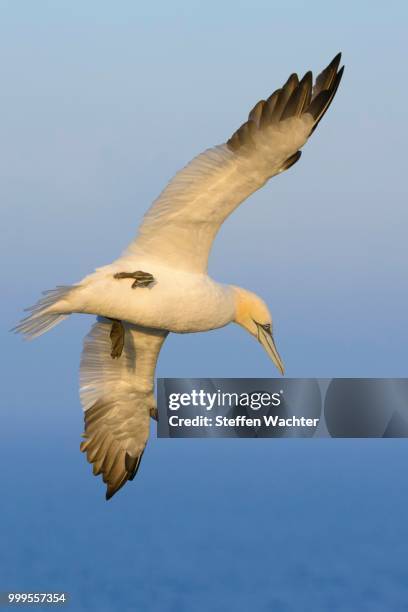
<point>117,396</point>
<point>182,223</point>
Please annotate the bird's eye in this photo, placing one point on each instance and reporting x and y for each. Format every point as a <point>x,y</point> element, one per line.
<point>267,327</point>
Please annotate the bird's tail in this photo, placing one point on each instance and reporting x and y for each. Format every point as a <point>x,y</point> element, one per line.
<point>46,313</point>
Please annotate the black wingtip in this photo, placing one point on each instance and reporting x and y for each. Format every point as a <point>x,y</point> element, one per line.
<point>339,75</point>
<point>336,59</point>
<point>322,101</point>
<point>295,98</point>
<point>336,62</point>
<point>308,76</point>
<point>130,463</point>
<point>112,489</point>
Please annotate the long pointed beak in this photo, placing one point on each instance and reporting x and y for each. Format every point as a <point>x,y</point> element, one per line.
<point>267,341</point>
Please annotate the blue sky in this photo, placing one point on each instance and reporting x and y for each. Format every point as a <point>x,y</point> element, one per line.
<point>101,103</point>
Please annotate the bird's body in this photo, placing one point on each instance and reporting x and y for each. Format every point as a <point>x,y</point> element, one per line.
<point>177,301</point>
<point>161,285</point>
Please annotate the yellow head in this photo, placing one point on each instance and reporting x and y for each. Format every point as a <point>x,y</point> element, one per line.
<point>252,314</point>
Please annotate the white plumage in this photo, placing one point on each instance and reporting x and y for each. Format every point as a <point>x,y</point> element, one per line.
<point>167,265</point>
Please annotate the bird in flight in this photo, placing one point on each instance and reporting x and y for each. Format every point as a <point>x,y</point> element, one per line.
<point>160,284</point>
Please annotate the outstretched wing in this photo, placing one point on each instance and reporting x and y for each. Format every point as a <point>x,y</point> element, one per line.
<point>182,223</point>
<point>117,396</point>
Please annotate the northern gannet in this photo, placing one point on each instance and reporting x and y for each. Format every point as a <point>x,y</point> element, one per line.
<point>167,267</point>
